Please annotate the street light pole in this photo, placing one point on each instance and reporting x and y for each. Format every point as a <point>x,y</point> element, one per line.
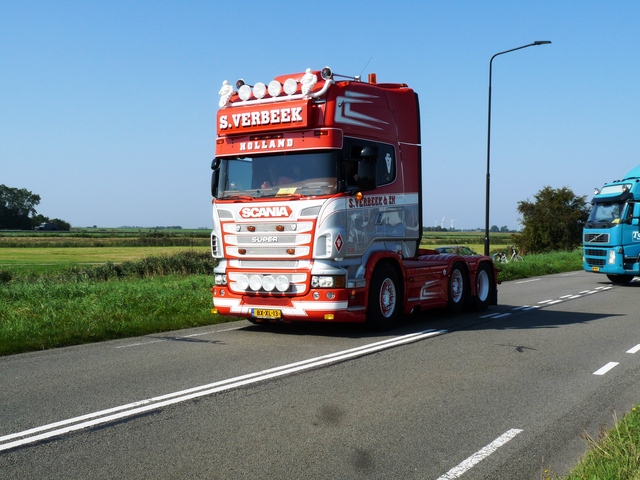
<point>486,214</point>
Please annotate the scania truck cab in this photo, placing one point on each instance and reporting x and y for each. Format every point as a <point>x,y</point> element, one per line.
<point>317,206</point>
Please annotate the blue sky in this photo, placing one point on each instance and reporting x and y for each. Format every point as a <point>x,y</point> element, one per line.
<point>108,107</point>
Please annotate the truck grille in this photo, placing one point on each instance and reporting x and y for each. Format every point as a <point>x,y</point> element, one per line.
<point>214,245</point>
<point>595,257</point>
<point>268,240</point>
<point>596,238</point>
<point>595,252</point>
<point>595,262</point>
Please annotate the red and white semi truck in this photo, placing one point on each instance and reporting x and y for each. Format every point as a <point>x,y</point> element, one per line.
<point>317,210</point>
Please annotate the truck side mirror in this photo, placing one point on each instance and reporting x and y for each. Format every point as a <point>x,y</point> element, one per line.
<point>215,176</point>
<point>369,152</point>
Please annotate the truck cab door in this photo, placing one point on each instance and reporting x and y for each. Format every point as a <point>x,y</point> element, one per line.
<point>631,230</point>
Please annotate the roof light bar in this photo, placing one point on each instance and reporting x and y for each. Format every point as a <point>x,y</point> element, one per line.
<point>293,88</point>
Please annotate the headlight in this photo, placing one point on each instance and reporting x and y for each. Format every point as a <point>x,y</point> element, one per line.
<point>220,279</point>
<point>612,257</point>
<point>327,281</point>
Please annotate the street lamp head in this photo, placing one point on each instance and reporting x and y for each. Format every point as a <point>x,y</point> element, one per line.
<point>541,42</point>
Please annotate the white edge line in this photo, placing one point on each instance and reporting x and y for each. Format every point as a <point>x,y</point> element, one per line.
<point>528,281</point>
<point>606,368</point>
<point>465,465</point>
<point>155,403</point>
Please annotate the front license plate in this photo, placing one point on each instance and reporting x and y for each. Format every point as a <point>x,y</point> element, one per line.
<point>595,269</point>
<point>265,313</point>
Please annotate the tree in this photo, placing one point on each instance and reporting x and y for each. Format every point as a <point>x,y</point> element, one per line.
<point>553,221</point>
<point>16,207</point>
<point>62,225</point>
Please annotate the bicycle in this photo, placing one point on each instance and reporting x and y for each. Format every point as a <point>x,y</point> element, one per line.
<point>500,257</point>
<point>515,256</point>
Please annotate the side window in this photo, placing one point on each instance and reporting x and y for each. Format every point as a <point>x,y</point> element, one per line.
<point>385,160</point>
<point>386,164</point>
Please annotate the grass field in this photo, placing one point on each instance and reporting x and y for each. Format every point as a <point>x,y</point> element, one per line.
<point>52,259</point>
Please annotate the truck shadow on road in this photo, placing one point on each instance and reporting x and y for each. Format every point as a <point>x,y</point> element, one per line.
<point>500,317</point>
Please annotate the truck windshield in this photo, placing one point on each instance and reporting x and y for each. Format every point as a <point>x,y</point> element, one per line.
<point>604,214</point>
<point>293,174</point>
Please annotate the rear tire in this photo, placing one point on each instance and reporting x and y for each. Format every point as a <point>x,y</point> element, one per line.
<point>458,290</point>
<point>384,298</point>
<point>484,288</point>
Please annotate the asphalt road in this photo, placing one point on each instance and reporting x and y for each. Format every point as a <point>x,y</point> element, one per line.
<point>504,394</point>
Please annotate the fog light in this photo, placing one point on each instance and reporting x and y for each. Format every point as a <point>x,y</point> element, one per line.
<point>274,88</point>
<point>268,283</point>
<point>259,90</point>
<point>243,282</point>
<point>244,92</point>
<point>290,86</point>
<point>255,282</point>
<point>282,283</point>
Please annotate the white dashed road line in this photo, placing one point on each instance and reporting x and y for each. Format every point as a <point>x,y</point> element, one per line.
<point>635,349</point>
<point>606,368</point>
<point>480,455</point>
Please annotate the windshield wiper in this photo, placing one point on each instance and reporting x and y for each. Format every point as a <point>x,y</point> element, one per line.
<point>243,198</point>
<point>292,196</point>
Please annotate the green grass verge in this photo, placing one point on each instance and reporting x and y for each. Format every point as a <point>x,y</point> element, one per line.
<point>614,455</point>
<point>46,314</point>
<point>535,265</point>
<point>84,304</point>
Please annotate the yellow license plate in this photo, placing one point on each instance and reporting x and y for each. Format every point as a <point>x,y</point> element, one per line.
<point>265,313</point>
<point>595,269</point>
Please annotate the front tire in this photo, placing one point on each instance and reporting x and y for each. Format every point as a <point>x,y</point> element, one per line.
<point>384,298</point>
<point>620,279</point>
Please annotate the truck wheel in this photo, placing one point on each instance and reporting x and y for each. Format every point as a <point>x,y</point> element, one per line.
<point>458,288</point>
<point>484,288</point>
<point>383,305</point>
<point>620,279</point>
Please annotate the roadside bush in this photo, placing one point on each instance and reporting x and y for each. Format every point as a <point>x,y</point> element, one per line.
<point>183,263</point>
<point>5,276</point>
